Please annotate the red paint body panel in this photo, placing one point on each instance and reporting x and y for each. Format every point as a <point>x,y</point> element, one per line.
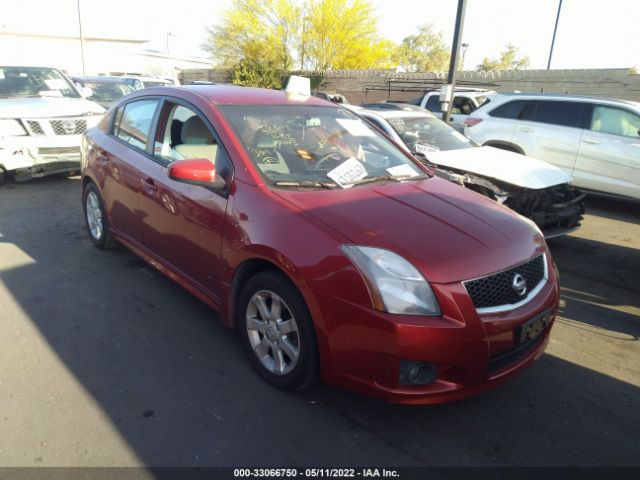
<point>201,239</point>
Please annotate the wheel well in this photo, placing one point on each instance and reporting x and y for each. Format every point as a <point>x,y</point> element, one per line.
<point>86,181</point>
<point>244,272</point>
<point>505,146</point>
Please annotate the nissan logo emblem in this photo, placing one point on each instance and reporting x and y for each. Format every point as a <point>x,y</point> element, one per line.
<point>519,284</point>
<point>69,126</point>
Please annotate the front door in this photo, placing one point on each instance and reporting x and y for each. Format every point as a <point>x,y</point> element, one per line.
<point>182,224</point>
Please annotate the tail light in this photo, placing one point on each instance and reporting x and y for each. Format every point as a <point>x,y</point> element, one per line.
<point>470,122</point>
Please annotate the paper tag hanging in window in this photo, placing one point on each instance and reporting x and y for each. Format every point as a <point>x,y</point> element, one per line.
<point>347,172</point>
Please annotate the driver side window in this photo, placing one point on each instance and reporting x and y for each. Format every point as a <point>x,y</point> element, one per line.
<point>183,134</point>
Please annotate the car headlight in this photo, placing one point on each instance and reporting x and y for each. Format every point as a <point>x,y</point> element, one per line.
<point>395,285</point>
<point>11,128</point>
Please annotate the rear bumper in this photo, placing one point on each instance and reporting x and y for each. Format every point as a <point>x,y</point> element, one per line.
<point>472,354</point>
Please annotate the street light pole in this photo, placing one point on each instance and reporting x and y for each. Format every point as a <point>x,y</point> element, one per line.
<point>464,52</point>
<point>81,37</point>
<point>553,40</point>
<point>455,49</point>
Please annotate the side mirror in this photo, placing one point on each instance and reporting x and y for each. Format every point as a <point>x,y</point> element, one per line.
<point>196,171</point>
<point>86,92</point>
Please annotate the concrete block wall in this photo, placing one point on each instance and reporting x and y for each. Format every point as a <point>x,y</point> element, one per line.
<point>357,85</point>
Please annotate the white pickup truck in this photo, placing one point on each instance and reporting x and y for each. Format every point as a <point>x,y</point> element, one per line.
<point>465,101</point>
<point>42,117</point>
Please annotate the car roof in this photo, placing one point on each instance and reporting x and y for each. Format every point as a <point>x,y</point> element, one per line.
<point>100,78</point>
<point>399,113</point>
<point>235,95</point>
<point>565,96</point>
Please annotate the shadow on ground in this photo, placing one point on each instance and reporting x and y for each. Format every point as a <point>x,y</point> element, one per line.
<point>175,384</point>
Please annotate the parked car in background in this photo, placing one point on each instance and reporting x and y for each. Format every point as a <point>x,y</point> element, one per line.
<point>105,90</point>
<point>139,82</point>
<point>42,117</point>
<point>595,140</point>
<point>466,100</point>
<point>330,249</point>
<point>531,187</point>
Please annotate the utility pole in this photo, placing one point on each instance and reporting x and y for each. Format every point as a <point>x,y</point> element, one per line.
<point>553,40</point>
<point>81,38</point>
<point>446,96</point>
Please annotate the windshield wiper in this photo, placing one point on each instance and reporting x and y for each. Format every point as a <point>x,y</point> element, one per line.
<point>304,184</point>
<point>395,178</point>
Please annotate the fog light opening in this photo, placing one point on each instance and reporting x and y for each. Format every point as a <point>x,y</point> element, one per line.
<point>417,373</point>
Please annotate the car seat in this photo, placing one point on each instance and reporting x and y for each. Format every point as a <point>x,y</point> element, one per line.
<point>197,141</point>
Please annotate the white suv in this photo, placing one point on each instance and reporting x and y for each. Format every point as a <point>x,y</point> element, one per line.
<point>42,117</point>
<point>595,140</point>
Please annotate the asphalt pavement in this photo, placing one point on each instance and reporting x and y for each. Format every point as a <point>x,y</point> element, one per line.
<point>105,362</point>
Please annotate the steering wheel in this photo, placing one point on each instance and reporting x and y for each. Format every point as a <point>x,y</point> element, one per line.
<point>333,156</point>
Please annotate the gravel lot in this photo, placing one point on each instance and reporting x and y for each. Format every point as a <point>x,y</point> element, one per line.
<point>104,362</point>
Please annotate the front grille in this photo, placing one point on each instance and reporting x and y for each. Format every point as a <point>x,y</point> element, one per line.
<point>35,127</point>
<point>68,127</point>
<point>497,290</point>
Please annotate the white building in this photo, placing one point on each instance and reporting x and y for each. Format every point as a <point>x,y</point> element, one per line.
<point>101,55</point>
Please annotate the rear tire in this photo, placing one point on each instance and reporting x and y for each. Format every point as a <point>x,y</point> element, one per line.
<point>277,331</point>
<point>95,218</point>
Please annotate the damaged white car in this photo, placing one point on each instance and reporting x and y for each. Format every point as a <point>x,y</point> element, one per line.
<point>531,187</point>
<point>42,117</point>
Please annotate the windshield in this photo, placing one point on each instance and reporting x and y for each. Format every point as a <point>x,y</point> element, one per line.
<point>427,134</point>
<point>21,82</point>
<point>315,146</point>
<point>108,92</point>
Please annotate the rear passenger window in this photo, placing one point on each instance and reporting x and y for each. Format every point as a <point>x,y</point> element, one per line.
<point>134,123</point>
<point>510,109</point>
<point>567,114</point>
<point>615,121</point>
<point>433,104</point>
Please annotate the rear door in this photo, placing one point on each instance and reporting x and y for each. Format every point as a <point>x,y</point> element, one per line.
<point>609,155</point>
<point>551,130</point>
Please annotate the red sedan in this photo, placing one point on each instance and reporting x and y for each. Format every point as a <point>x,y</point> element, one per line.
<point>334,253</point>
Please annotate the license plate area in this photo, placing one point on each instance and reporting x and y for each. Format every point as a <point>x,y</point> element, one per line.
<point>532,328</point>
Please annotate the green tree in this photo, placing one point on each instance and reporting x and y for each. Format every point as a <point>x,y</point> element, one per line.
<point>508,60</point>
<point>425,51</point>
<point>304,34</point>
<point>256,73</point>
<point>343,34</point>
<point>264,31</point>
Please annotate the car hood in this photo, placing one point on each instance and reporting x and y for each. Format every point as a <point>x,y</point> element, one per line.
<point>502,165</point>
<point>447,231</point>
<point>47,107</point>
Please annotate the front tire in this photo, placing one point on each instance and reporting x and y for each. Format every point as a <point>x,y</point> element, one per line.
<point>95,218</point>
<point>277,331</point>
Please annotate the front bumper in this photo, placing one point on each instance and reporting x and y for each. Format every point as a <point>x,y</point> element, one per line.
<point>472,353</point>
<point>37,156</point>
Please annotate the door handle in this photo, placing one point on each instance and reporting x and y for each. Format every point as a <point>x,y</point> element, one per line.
<point>592,141</point>
<point>526,129</point>
<point>148,185</point>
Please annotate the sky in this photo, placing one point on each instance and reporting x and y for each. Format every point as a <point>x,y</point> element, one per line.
<point>591,33</point>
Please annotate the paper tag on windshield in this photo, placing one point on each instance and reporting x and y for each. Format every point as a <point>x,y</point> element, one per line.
<point>403,170</point>
<point>347,172</point>
<point>56,84</point>
<point>426,148</point>
<point>357,128</point>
